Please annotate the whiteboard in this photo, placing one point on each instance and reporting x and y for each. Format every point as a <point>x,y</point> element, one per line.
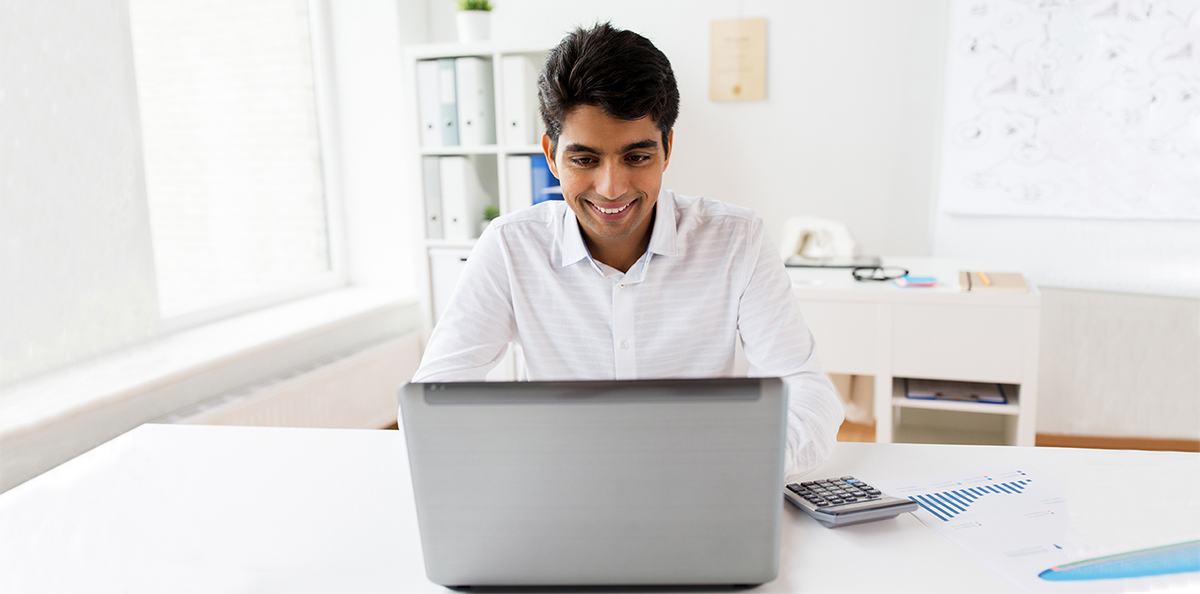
<point>1084,109</point>
<point>1070,144</point>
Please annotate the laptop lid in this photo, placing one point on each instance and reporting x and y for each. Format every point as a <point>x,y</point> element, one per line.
<point>598,482</point>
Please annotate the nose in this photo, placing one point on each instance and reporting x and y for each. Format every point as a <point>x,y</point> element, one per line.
<point>612,180</point>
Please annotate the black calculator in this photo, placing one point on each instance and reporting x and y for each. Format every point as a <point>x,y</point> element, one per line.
<point>842,501</point>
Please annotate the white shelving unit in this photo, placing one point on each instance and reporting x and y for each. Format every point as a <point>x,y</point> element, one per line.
<point>889,333</point>
<point>500,151</point>
<point>444,258</point>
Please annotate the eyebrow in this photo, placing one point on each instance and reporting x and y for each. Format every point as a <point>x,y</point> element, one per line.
<point>633,146</point>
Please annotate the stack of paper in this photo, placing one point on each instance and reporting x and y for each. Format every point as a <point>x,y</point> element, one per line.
<point>992,282</point>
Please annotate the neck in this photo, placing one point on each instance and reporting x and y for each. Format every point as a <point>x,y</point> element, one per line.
<point>619,253</point>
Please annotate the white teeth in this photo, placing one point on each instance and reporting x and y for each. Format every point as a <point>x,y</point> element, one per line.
<point>612,210</point>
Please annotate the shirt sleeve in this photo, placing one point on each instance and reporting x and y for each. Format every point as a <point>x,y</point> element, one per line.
<point>477,325</point>
<point>777,342</point>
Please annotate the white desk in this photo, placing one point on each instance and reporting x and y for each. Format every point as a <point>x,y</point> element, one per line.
<point>881,330</point>
<point>174,508</point>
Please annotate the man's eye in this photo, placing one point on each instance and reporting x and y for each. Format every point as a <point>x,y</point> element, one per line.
<point>638,158</point>
<point>582,161</point>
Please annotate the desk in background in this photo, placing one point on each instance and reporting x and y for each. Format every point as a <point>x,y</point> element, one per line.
<point>881,330</point>
<point>184,508</point>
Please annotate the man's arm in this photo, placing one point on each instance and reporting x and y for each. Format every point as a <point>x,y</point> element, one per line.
<point>777,342</point>
<point>473,332</point>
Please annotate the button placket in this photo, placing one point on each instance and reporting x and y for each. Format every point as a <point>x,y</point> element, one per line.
<point>624,346</point>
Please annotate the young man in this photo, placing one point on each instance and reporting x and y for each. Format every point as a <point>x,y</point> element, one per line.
<point>623,279</point>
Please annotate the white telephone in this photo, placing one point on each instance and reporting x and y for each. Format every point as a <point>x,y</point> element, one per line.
<point>817,239</point>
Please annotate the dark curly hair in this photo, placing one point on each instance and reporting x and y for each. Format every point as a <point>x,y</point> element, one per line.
<point>618,71</point>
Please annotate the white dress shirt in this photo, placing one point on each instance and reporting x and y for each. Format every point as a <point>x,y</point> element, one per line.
<point>709,277</point>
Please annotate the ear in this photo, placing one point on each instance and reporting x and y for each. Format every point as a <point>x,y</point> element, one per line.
<point>546,147</point>
<point>670,143</point>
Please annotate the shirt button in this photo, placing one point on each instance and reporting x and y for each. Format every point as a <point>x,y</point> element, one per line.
<point>624,344</point>
<point>620,286</point>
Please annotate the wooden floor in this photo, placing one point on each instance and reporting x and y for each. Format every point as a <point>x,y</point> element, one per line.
<point>855,432</point>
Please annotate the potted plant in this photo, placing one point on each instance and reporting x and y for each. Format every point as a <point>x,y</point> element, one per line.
<point>489,212</point>
<point>474,20</point>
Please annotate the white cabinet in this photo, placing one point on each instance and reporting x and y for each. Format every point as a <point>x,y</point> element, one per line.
<point>445,266</point>
<point>889,333</point>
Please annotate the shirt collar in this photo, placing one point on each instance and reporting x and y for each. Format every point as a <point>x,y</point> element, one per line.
<point>573,248</point>
<point>662,237</point>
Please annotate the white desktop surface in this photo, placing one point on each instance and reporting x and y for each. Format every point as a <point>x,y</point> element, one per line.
<point>176,508</point>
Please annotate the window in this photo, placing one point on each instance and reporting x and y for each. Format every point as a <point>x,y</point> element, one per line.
<point>231,147</point>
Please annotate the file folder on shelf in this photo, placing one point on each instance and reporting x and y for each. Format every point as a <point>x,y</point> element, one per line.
<point>466,184</point>
<point>448,101</point>
<point>520,182</point>
<point>522,125</point>
<point>429,103</point>
<point>476,101</point>
<point>922,389</point>
<point>433,197</point>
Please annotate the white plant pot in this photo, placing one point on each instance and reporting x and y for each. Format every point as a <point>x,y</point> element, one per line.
<point>474,25</point>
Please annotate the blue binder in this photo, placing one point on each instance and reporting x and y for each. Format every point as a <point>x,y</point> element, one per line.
<point>545,185</point>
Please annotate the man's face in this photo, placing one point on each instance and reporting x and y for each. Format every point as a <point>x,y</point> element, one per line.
<point>610,171</point>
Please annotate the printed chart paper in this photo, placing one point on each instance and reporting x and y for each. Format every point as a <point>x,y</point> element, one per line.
<point>1015,523</point>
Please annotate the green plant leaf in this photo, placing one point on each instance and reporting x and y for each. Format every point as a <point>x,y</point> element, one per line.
<point>481,5</point>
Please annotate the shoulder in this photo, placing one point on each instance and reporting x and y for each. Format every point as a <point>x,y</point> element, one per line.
<point>697,213</point>
<point>539,221</point>
<point>543,214</point>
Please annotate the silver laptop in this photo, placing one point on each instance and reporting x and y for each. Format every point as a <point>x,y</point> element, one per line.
<point>653,482</point>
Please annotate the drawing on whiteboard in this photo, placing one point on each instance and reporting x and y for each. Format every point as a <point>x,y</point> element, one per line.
<point>1081,108</point>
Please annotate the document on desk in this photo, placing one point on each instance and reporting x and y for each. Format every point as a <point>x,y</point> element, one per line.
<point>1017,524</point>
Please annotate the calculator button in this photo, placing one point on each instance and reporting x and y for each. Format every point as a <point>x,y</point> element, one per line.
<point>794,488</point>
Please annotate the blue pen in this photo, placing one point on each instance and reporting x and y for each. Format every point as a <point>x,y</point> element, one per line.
<point>1176,558</point>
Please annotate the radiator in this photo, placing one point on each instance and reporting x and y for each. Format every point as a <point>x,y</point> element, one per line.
<point>353,391</point>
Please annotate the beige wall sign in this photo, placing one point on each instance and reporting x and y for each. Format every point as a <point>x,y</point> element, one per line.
<point>739,60</point>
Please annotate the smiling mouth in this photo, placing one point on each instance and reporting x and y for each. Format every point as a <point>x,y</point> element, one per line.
<point>612,211</point>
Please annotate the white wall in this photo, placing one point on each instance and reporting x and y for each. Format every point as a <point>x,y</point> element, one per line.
<point>77,277</point>
<point>848,128</point>
<point>372,134</point>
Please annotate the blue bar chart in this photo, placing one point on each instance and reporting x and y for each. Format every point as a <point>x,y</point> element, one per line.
<point>945,505</point>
